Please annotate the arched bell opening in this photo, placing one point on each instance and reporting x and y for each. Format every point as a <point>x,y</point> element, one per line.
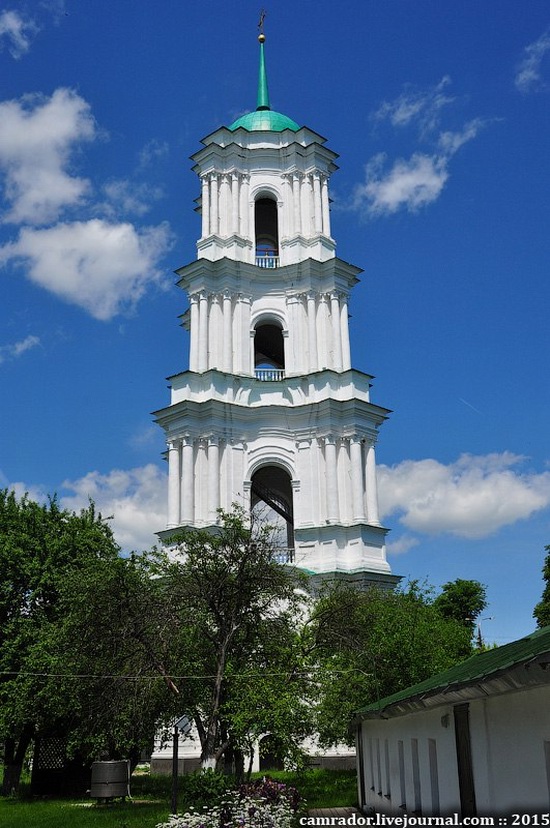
<point>269,351</point>
<point>266,225</point>
<point>271,503</point>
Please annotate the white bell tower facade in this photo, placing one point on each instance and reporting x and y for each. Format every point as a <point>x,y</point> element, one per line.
<point>270,412</point>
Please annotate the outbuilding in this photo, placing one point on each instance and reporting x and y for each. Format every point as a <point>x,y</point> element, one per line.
<point>473,740</point>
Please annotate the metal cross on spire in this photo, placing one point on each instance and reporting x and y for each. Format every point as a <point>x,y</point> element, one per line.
<point>261,23</point>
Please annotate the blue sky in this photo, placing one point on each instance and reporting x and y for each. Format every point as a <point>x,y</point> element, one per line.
<point>440,113</point>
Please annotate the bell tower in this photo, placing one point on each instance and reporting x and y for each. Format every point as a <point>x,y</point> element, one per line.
<point>271,414</point>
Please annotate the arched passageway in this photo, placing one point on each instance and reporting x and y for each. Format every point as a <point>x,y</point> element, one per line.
<point>271,502</point>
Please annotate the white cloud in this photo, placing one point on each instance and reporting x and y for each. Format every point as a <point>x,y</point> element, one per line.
<point>528,73</point>
<point>129,198</point>
<point>21,489</point>
<point>401,545</point>
<point>56,8</point>
<point>421,107</point>
<point>37,138</point>
<point>413,183</point>
<point>450,142</point>
<point>16,32</point>
<point>471,498</point>
<point>16,349</point>
<point>144,437</point>
<point>152,151</point>
<point>101,267</point>
<point>135,498</point>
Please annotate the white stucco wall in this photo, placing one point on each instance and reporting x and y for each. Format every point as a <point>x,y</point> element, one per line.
<point>510,742</point>
<point>386,795</point>
<point>508,736</point>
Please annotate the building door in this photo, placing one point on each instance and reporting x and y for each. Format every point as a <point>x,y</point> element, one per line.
<point>464,760</point>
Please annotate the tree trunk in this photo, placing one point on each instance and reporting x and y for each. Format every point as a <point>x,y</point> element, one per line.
<point>14,756</point>
<point>250,763</point>
<point>238,759</point>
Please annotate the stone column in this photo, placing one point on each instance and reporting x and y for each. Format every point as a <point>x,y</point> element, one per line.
<point>357,489</point>
<point>203,332</point>
<point>333,506</point>
<point>296,199</point>
<point>213,478</point>
<point>312,332</point>
<point>292,339</point>
<point>174,483</point>
<point>201,482</point>
<point>247,355</point>
<point>193,333</point>
<point>227,345</point>
<point>224,205</point>
<point>214,205</point>
<point>238,347</point>
<point>214,332</point>
<point>244,208</point>
<point>325,206</point>
<point>336,331</point>
<point>344,324</point>
<point>287,207</point>
<point>187,482</point>
<point>305,202</point>
<point>317,206</point>
<point>324,332</point>
<point>205,206</point>
<point>370,486</point>
<point>234,203</point>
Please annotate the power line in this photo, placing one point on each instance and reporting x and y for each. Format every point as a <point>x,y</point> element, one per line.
<point>28,674</point>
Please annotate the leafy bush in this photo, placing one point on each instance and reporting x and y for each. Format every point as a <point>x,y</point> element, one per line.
<point>204,787</point>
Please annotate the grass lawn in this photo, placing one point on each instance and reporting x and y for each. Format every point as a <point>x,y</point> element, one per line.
<point>322,788</point>
<point>67,814</point>
<point>151,803</point>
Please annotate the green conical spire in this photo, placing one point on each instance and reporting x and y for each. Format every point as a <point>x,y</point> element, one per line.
<point>264,119</point>
<point>263,92</point>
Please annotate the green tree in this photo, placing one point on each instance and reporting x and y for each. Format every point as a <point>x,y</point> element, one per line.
<point>240,630</point>
<point>462,600</point>
<point>111,638</point>
<point>371,644</point>
<point>542,609</point>
<point>40,545</point>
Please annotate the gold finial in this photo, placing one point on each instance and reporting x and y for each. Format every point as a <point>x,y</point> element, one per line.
<point>261,36</point>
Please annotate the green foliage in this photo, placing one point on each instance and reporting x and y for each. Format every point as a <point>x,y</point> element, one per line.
<point>203,788</point>
<point>40,547</point>
<point>110,619</point>
<point>241,635</point>
<point>374,643</point>
<point>542,609</point>
<point>462,600</point>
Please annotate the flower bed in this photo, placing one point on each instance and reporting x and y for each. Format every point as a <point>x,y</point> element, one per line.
<point>261,804</point>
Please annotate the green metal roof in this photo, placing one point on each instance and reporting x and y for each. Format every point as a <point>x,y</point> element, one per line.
<point>264,119</point>
<point>474,670</point>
